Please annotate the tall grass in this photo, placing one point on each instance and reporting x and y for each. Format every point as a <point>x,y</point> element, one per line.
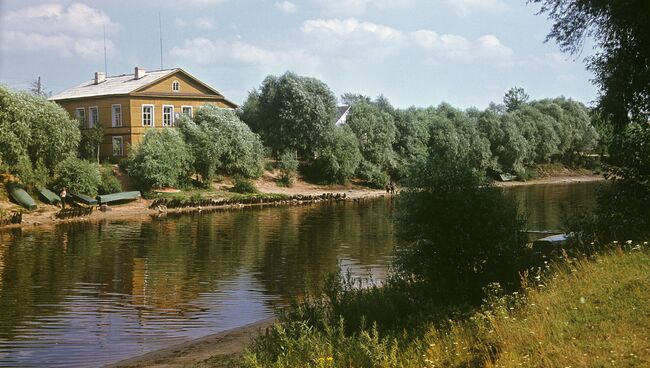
<point>587,312</point>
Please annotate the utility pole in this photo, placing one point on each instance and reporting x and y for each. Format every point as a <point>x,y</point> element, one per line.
<point>105,63</point>
<point>38,86</point>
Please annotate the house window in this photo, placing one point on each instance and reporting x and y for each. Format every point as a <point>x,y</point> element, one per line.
<point>176,86</point>
<point>80,113</point>
<point>94,116</point>
<point>168,115</point>
<point>147,115</point>
<point>118,146</point>
<point>116,112</point>
<point>187,110</point>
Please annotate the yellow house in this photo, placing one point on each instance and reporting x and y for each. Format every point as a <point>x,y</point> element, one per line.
<point>127,105</point>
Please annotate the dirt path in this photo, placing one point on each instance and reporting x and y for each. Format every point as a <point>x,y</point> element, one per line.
<point>195,353</point>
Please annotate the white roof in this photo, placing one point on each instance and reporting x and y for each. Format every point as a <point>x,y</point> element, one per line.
<point>116,85</point>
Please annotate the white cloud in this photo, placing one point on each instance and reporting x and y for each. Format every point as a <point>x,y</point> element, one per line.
<point>76,30</point>
<point>286,6</point>
<point>76,19</point>
<point>201,3</point>
<point>351,36</point>
<point>485,49</point>
<point>465,7</point>
<point>206,51</point>
<point>356,7</point>
<point>205,24</point>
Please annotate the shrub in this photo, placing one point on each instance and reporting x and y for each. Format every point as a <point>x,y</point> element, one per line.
<point>338,159</point>
<point>243,185</point>
<point>372,175</point>
<point>161,160</point>
<point>109,183</point>
<point>78,176</point>
<point>288,165</point>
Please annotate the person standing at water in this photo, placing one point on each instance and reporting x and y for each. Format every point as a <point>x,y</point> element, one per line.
<point>63,194</point>
<point>392,187</point>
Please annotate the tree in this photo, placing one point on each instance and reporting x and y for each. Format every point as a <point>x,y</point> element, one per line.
<point>91,139</point>
<point>621,32</point>
<point>291,112</point>
<point>375,130</point>
<point>78,176</point>
<point>161,160</point>
<point>411,137</point>
<point>34,130</point>
<point>220,142</point>
<point>515,98</point>
<point>338,159</point>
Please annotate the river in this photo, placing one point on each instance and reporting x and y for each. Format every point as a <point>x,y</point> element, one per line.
<point>88,294</point>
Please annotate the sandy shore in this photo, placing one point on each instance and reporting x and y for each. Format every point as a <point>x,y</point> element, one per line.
<point>564,179</point>
<point>195,353</point>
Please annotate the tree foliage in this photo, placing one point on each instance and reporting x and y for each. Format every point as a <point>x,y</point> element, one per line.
<point>291,112</point>
<point>78,176</point>
<point>34,130</point>
<point>338,159</point>
<point>375,130</point>
<point>161,160</point>
<point>91,139</point>
<point>220,142</point>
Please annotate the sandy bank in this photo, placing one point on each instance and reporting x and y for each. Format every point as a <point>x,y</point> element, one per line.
<point>194,352</point>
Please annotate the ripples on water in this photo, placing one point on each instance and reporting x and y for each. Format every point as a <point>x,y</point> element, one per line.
<point>90,294</point>
<point>82,295</point>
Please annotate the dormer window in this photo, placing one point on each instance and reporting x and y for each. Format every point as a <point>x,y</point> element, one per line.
<point>176,86</point>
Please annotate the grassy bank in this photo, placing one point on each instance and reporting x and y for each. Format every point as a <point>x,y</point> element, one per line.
<point>584,313</point>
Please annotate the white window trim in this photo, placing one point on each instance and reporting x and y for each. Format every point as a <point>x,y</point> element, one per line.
<point>91,122</point>
<point>121,139</point>
<point>191,109</point>
<point>114,123</point>
<point>76,113</point>
<point>153,114</point>
<point>171,116</point>
<point>176,83</point>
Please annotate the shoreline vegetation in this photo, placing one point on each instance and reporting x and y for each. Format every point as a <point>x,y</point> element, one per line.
<point>269,195</point>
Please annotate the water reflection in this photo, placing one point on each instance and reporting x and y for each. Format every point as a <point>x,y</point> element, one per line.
<point>85,294</point>
<point>88,294</point>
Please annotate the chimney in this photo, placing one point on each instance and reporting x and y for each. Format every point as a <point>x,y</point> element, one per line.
<point>100,77</point>
<point>139,72</point>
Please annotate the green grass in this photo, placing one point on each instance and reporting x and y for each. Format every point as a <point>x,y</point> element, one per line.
<point>592,312</point>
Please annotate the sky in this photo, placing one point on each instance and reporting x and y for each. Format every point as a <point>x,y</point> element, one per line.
<point>414,52</point>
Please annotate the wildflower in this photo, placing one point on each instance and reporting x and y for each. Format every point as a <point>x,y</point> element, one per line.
<point>582,300</point>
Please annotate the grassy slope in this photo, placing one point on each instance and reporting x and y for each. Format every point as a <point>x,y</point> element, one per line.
<point>590,313</point>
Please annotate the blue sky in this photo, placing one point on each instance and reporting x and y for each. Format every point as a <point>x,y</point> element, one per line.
<point>415,52</point>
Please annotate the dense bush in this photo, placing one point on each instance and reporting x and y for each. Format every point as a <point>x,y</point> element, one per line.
<point>338,159</point>
<point>288,165</point>
<point>78,176</point>
<point>161,160</point>
<point>291,112</point>
<point>222,143</point>
<point>372,175</point>
<point>34,130</point>
<point>244,186</point>
<point>109,183</point>
<point>375,130</point>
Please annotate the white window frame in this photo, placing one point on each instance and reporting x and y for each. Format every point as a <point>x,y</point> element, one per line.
<point>81,118</point>
<point>91,121</point>
<point>153,112</point>
<point>176,86</point>
<point>121,145</point>
<point>171,116</point>
<point>183,107</point>
<point>116,119</point>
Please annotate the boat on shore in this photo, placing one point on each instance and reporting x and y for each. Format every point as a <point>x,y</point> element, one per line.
<point>118,197</point>
<point>18,194</point>
<point>48,196</point>
<point>83,199</point>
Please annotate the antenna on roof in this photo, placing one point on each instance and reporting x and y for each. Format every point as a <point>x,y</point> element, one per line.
<point>161,47</point>
<point>105,63</point>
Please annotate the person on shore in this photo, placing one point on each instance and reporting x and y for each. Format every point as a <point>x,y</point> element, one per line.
<point>392,187</point>
<point>63,194</point>
<point>387,188</point>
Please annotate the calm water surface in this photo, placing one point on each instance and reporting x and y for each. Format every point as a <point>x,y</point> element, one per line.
<point>90,294</point>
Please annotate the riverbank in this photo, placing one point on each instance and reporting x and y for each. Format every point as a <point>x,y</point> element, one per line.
<point>140,209</point>
<point>206,351</point>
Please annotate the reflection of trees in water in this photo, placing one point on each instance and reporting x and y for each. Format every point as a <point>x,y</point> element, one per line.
<point>312,239</point>
<point>163,265</point>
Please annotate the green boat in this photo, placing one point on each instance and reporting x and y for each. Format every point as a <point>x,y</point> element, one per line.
<point>48,196</point>
<point>83,199</point>
<point>20,196</point>
<point>116,197</point>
